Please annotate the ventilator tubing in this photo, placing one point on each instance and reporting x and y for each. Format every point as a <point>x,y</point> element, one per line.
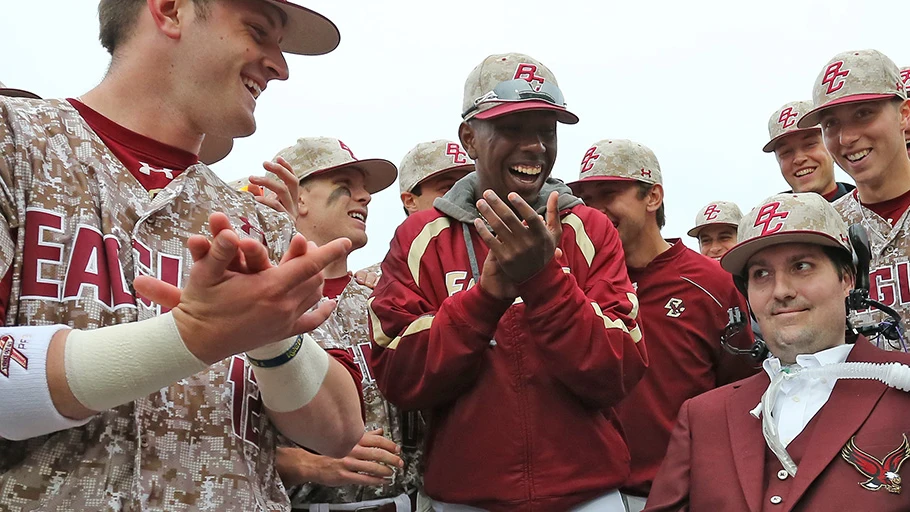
<point>895,375</point>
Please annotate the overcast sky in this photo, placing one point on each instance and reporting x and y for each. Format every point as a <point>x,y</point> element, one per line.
<point>694,81</point>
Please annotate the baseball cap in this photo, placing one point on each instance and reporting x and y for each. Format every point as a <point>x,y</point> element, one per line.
<point>787,218</point>
<point>309,33</point>
<point>851,77</point>
<point>429,159</point>
<point>619,160</point>
<point>318,155</point>
<point>717,212</point>
<point>17,93</point>
<point>784,122</point>
<point>512,82</point>
<point>905,77</point>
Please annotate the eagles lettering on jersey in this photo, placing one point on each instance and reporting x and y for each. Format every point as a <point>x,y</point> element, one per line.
<point>76,228</point>
<point>889,274</point>
<point>93,268</point>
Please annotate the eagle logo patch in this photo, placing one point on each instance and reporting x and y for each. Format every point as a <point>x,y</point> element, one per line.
<point>881,474</point>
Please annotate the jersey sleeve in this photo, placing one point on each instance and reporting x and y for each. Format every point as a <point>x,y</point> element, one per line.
<point>670,491</point>
<point>588,332</point>
<point>425,355</point>
<point>347,360</point>
<point>10,153</point>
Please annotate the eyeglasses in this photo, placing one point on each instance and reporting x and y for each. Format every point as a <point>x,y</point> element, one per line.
<point>519,90</point>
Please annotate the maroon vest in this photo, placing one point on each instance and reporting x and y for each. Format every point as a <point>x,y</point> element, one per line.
<point>778,482</point>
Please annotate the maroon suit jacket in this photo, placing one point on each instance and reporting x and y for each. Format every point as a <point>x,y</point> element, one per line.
<point>716,459</point>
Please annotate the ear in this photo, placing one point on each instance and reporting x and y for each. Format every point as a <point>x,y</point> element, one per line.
<point>302,200</point>
<point>168,14</point>
<point>655,198</point>
<point>904,111</point>
<point>409,201</point>
<point>848,283</point>
<point>467,135</point>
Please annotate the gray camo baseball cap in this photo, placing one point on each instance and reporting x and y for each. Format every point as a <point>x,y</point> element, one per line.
<point>724,213</point>
<point>17,93</point>
<point>786,218</point>
<point>318,155</point>
<point>429,159</point>
<point>852,77</point>
<point>785,121</point>
<point>482,102</point>
<point>618,160</point>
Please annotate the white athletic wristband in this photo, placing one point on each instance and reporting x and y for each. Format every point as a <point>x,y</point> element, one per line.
<point>117,364</point>
<point>25,397</point>
<point>293,384</point>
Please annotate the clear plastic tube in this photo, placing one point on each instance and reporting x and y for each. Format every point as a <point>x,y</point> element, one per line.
<point>894,375</point>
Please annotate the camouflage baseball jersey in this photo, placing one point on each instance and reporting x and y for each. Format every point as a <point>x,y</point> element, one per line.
<point>76,229</point>
<point>889,270</point>
<point>347,329</point>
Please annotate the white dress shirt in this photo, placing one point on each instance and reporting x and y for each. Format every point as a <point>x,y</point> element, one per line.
<point>801,398</point>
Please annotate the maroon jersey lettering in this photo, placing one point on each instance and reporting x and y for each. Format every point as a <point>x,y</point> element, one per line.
<point>39,252</point>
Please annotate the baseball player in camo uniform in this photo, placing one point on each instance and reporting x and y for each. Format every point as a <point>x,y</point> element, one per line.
<point>804,161</point>
<point>683,299</point>
<point>715,228</point>
<point>860,102</point>
<point>111,401</point>
<point>334,195</point>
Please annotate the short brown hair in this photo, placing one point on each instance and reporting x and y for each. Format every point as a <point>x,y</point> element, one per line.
<point>117,18</point>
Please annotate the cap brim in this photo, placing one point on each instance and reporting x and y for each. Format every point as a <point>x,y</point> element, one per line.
<point>592,179</point>
<point>308,32</point>
<point>18,93</point>
<point>694,231</point>
<point>378,173</point>
<point>734,261</point>
<point>562,115</point>
<point>214,149</point>
<point>465,167</point>
<point>769,147</point>
<point>812,118</point>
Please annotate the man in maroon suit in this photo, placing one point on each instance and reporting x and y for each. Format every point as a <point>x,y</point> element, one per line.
<point>798,436</point>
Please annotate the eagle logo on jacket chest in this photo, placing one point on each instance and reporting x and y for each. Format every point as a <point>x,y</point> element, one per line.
<point>881,474</point>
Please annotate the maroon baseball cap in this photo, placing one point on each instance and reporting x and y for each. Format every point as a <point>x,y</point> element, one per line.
<point>309,33</point>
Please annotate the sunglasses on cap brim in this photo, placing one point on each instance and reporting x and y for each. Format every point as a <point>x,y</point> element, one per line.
<point>519,90</point>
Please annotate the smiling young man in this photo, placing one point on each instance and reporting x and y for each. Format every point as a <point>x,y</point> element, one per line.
<point>333,200</point>
<point>804,161</point>
<point>684,300</point>
<point>505,313</point>
<point>144,366</point>
<point>860,102</point>
<point>715,228</point>
<point>787,439</point>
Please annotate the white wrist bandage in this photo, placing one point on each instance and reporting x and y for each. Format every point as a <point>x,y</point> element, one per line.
<point>294,383</point>
<point>117,364</point>
<point>25,398</point>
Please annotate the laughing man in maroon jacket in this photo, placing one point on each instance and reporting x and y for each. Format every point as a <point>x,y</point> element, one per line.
<point>519,374</point>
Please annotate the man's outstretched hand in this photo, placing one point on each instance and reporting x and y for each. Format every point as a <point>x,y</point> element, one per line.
<point>236,300</point>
